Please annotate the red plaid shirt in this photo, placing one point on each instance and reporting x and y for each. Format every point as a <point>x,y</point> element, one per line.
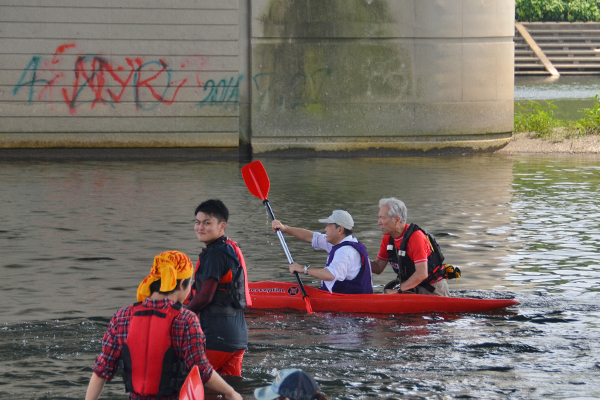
<point>187,337</point>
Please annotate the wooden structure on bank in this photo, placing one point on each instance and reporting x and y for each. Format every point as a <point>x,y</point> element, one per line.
<point>554,48</point>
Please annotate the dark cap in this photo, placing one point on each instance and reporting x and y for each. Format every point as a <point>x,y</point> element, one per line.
<point>291,383</point>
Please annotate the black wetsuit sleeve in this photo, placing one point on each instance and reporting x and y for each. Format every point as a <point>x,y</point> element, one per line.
<point>204,296</point>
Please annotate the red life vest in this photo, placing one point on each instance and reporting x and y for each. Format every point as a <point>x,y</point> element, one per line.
<point>150,366</point>
<point>240,256</point>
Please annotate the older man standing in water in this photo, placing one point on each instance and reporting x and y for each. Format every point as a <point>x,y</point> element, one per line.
<point>417,261</point>
<point>348,269</point>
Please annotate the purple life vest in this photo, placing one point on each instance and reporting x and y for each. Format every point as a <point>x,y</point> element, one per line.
<point>361,284</point>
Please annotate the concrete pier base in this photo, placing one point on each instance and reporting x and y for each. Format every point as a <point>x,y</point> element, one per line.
<point>366,146</point>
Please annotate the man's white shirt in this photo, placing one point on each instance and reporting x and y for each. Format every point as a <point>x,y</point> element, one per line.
<point>346,260</point>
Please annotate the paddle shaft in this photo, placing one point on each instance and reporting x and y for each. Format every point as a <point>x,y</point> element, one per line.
<point>257,182</point>
<point>285,247</point>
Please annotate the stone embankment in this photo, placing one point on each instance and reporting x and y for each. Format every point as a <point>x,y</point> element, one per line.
<point>523,143</point>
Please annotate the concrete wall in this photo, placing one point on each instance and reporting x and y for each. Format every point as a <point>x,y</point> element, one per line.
<point>382,74</point>
<point>127,73</point>
<point>325,75</point>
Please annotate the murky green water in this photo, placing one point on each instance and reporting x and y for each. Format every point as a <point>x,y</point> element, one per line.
<point>77,238</point>
<point>570,94</point>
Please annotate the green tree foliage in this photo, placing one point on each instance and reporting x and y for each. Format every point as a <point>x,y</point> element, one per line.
<point>557,10</point>
<point>583,11</point>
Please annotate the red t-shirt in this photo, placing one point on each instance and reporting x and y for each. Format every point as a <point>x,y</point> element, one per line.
<point>418,248</point>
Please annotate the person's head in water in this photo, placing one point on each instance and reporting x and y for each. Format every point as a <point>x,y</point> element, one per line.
<point>211,220</point>
<point>292,384</point>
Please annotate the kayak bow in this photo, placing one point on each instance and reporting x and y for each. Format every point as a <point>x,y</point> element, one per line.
<point>276,295</point>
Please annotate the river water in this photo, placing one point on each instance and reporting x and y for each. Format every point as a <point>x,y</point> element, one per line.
<point>76,239</point>
<point>570,94</point>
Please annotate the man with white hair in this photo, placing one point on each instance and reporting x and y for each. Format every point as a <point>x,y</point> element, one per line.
<point>348,268</point>
<point>413,254</point>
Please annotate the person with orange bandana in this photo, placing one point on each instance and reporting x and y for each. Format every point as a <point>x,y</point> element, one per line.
<point>221,292</point>
<point>157,335</point>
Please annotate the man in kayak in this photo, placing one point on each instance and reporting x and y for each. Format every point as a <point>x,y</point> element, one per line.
<point>410,252</point>
<point>221,292</point>
<point>348,268</point>
<point>157,335</point>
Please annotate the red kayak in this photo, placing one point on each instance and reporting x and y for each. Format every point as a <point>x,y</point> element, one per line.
<point>275,295</point>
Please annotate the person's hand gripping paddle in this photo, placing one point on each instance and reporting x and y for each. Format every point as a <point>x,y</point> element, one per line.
<point>257,182</point>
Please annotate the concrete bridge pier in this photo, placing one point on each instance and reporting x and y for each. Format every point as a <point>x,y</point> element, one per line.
<point>382,76</point>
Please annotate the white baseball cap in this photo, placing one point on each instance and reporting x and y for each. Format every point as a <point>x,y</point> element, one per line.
<point>341,218</point>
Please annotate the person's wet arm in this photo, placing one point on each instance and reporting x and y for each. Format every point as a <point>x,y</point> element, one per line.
<point>302,234</point>
<point>204,296</point>
<point>107,362</point>
<point>419,276</point>
<point>381,261</point>
<point>95,387</point>
<point>217,384</point>
<point>319,273</point>
<point>418,250</point>
<point>378,265</point>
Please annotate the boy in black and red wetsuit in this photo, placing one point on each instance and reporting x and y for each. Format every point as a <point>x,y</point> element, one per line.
<point>221,292</point>
<point>157,334</point>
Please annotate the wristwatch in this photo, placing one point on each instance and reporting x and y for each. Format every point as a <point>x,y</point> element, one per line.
<point>306,267</point>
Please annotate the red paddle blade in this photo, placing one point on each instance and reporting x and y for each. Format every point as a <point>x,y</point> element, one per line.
<point>192,388</point>
<point>308,306</point>
<point>256,179</point>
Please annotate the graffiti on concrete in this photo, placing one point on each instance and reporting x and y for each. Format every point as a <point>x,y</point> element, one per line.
<point>225,92</point>
<point>92,81</point>
<point>97,80</point>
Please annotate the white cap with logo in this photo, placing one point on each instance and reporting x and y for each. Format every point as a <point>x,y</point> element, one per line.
<point>341,218</point>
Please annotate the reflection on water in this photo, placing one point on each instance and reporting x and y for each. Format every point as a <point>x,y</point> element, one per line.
<point>77,238</point>
<point>557,212</point>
